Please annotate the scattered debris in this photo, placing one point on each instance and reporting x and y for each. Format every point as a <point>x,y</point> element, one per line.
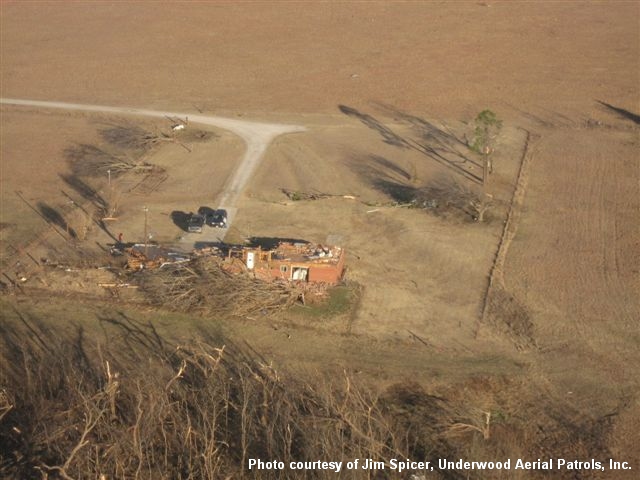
<point>211,250</point>
<point>91,161</point>
<point>304,262</point>
<point>297,196</point>
<point>217,279</point>
<point>117,285</point>
<point>204,285</point>
<point>141,256</point>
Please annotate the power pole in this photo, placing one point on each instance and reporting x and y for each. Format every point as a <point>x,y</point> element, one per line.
<point>485,170</point>
<point>146,235</point>
<point>486,166</point>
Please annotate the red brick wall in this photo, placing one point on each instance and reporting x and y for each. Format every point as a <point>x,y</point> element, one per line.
<point>317,273</point>
<point>327,273</point>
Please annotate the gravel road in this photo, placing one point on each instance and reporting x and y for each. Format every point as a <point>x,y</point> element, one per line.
<point>256,135</point>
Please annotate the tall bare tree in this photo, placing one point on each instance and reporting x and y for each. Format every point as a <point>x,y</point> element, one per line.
<point>487,128</point>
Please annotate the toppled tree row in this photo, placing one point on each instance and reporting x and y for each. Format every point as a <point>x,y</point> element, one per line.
<point>128,144</point>
<point>69,409</point>
<point>139,406</point>
<point>444,197</point>
<point>91,161</point>
<point>130,137</point>
<point>204,286</point>
<point>297,195</point>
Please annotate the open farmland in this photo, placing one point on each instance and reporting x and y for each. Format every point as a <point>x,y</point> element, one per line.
<point>532,315</point>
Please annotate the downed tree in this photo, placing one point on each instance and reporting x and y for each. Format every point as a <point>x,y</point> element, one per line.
<point>205,286</point>
<point>298,196</point>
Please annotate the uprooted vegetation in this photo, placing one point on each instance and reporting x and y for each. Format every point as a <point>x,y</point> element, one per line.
<point>72,408</point>
<point>129,137</point>
<point>133,137</point>
<point>123,150</point>
<point>443,197</point>
<point>139,405</point>
<point>208,285</point>
<point>91,161</point>
<point>205,287</point>
<point>448,198</point>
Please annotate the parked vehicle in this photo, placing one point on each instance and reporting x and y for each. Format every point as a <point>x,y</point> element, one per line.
<point>219,219</point>
<point>196,221</point>
<point>214,218</point>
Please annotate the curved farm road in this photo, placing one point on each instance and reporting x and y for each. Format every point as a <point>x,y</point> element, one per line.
<point>256,135</point>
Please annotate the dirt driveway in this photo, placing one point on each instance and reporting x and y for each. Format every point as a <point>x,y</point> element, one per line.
<point>257,137</point>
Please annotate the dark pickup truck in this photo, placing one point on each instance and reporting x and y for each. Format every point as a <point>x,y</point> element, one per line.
<point>214,218</point>
<point>196,221</point>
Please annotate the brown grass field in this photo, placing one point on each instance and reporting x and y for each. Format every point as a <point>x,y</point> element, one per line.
<point>532,315</point>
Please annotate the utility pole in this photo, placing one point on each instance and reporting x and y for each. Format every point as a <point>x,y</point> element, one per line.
<point>485,166</point>
<point>146,235</point>
<point>66,223</point>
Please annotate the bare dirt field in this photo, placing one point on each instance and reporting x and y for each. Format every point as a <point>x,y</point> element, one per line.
<point>532,314</point>
<point>440,59</point>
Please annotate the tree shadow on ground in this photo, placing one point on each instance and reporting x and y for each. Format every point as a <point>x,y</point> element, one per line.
<point>434,143</point>
<point>388,135</point>
<point>385,176</point>
<point>384,163</point>
<point>626,114</point>
<point>90,194</point>
<point>91,161</point>
<point>54,217</point>
<point>442,139</point>
<point>85,190</point>
<point>445,196</point>
<point>142,339</point>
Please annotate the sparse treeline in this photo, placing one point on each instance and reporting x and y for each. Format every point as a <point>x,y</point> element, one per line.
<point>141,407</point>
<point>119,400</point>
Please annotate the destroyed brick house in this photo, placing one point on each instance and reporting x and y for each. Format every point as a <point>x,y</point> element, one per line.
<point>303,262</point>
